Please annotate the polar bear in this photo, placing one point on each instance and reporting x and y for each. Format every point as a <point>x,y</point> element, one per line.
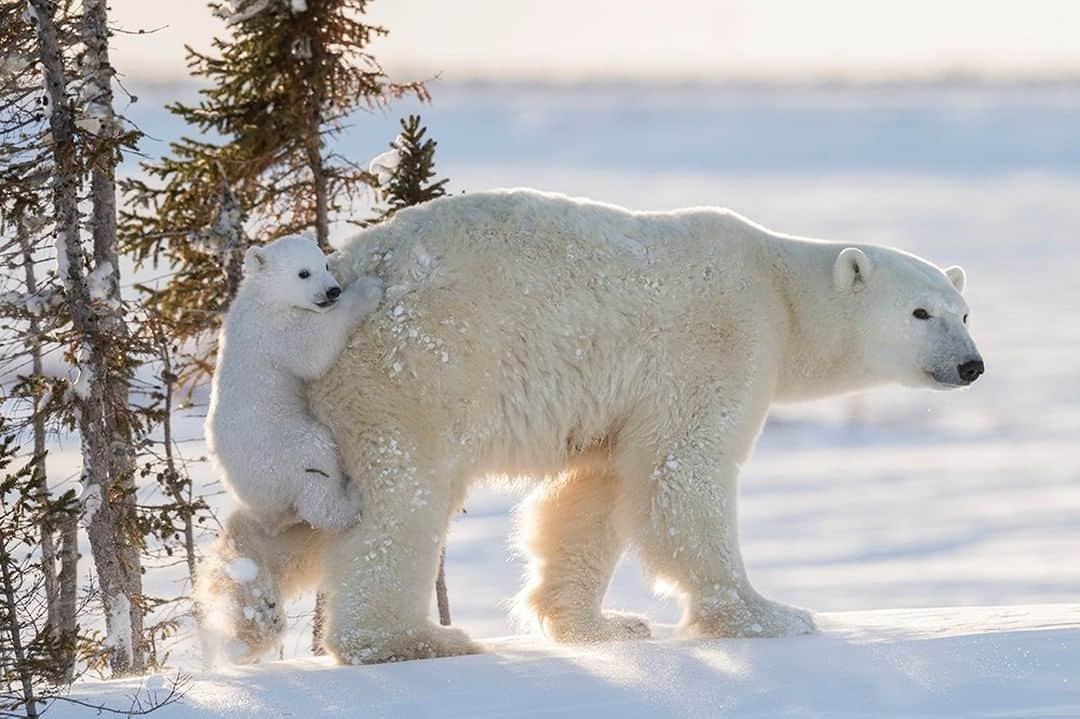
<point>289,321</point>
<point>623,361</point>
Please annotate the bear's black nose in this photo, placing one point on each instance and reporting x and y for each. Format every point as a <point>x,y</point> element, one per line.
<point>333,293</point>
<point>970,370</point>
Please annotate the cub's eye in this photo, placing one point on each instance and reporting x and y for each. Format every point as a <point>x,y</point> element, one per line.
<point>327,266</point>
<point>304,274</point>
<point>921,314</point>
<point>965,319</point>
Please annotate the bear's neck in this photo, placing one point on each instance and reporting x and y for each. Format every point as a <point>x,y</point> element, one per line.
<point>822,356</point>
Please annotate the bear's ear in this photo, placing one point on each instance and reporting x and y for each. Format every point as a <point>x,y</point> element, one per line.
<point>254,260</point>
<point>852,269</point>
<point>958,277</point>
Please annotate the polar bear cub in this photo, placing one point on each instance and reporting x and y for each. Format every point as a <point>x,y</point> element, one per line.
<point>288,323</point>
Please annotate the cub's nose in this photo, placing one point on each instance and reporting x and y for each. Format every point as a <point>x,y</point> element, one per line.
<point>334,292</point>
<point>970,370</point>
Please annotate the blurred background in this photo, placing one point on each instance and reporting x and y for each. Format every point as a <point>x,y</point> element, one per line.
<point>949,129</point>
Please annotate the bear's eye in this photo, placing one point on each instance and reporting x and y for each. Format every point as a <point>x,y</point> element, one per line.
<point>304,274</point>
<point>921,314</point>
<point>327,266</point>
<point>965,319</point>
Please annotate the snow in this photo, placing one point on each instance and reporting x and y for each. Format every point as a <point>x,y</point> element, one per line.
<point>973,662</point>
<point>298,6</point>
<point>91,503</point>
<point>242,10</point>
<point>35,304</point>
<point>384,165</point>
<point>99,282</point>
<point>119,635</point>
<point>81,385</point>
<point>62,261</point>
<point>242,570</point>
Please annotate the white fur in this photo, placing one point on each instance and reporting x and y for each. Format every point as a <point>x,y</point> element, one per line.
<point>626,359</point>
<point>273,456</point>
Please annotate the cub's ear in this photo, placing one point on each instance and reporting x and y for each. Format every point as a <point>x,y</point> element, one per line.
<point>958,277</point>
<point>852,269</point>
<point>254,260</point>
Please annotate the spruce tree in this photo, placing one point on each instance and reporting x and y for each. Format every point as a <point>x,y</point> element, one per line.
<point>33,311</point>
<point>278,90</point>
<point>405,173</point>
<point>35,658</point>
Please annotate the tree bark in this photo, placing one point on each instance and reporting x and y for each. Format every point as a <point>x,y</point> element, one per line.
<point>15,631</point>
<point>37,427</point>
<point>60,588</point>
<point>441,596</point>
<point>319,181</point>
<point>112,331</point>
<point>115,556</point>
<point>318,625</point>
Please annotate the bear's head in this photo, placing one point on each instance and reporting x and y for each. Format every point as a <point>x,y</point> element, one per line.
<point>291,272</point>
<point>910,318</point>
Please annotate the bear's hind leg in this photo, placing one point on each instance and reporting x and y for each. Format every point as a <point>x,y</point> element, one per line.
<point>244,581</point>
<point>238,595</point>
<point>570,537</point>
<point>380,575</point>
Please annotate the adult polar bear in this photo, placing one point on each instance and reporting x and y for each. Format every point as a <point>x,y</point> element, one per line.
<point>627,359</point>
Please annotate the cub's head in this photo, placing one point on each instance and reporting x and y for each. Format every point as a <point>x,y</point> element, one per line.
<point>911,320</point>
<point>293,272</point>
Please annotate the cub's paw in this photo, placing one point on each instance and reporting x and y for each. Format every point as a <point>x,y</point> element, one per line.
<point>364,295</point>
<point>329,501</point>
<point>427,641</point>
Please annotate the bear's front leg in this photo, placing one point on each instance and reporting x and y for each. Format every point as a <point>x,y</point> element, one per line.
<point>380,575</point>
<point>688,537</point>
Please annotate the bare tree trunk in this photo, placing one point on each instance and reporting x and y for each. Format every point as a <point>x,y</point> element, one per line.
<point>441,597</point>
<point>318,625</point>
<point>37,426</point>
<point>107,499</point>
<point>173,478</point>
<point>98,79</point>
<point>15,631</point>
<point>68,579</point>
<point>229,226</point>
<point>60,588</point>
<point>319,180</point>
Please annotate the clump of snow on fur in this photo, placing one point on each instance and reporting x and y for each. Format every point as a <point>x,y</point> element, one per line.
<point>298,6</point>
<point>242,570</point>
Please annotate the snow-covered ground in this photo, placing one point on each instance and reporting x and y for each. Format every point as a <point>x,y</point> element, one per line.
<point>892,499</point>
<point>972,662</point>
